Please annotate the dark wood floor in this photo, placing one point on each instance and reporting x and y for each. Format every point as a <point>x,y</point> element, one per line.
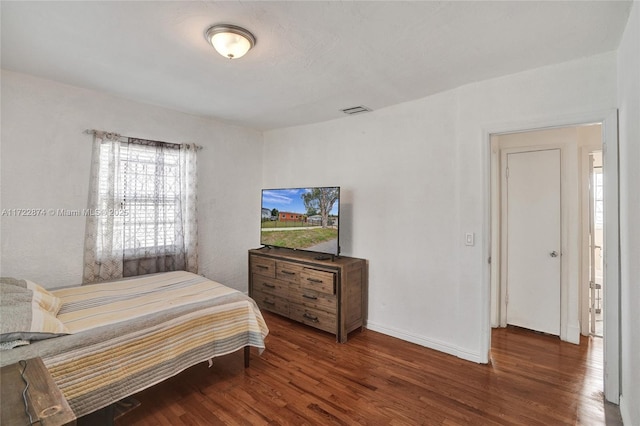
<point>304,377</point>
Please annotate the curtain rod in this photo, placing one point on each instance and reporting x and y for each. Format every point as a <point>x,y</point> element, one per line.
<point>114,135</point>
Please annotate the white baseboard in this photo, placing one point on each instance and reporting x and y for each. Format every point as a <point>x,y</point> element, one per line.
<point>425,341</point>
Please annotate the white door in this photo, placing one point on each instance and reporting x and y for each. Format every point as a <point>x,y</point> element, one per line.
<point>533,240</point>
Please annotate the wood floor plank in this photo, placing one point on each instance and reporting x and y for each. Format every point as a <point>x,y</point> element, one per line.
<point>305,378</point>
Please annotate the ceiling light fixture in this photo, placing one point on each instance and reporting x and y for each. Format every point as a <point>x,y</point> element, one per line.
<point>229,40</point>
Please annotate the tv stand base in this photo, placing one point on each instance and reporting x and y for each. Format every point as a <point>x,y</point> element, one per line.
<point>324,257</point>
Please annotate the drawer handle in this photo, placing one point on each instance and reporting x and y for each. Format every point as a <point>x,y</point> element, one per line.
<point>310,317</point>
<point>306,296</point>
<point>288,272</point>
<point>269,302</point>
<point>314,280</point>
<point>262,266</point>
<point>269,285</point>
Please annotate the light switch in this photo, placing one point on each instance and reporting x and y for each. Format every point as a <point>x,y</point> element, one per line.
<point>469,238</point>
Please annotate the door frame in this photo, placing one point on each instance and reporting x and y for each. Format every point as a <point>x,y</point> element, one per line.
<point>500,234</point>
<point>609,121</point>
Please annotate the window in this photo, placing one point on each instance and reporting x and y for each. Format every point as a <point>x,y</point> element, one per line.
<point>149,190</point>
<point>598,213</point>
<point>145,195</point>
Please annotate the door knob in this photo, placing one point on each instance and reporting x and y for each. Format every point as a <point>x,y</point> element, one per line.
<point>553,254</point>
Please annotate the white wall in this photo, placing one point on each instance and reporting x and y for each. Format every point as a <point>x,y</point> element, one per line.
<point>629,104</point>
<point>45,160</point>
<point>415,180</point>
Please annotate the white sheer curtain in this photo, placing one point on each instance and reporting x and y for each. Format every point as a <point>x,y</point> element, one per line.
<point>142,208</point>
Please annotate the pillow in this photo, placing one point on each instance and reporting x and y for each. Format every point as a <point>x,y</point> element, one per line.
<point>46,300</point>
<point>26,314</point>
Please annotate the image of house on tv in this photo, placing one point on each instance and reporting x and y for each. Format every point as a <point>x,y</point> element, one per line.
<point>292,217</point>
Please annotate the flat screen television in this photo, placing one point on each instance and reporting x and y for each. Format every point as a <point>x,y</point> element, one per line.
<point>302,219</point>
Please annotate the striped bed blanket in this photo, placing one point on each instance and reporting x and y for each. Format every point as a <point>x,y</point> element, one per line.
<point>131,334</point>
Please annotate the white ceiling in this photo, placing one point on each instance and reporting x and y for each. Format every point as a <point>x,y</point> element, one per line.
<point>311,60</point>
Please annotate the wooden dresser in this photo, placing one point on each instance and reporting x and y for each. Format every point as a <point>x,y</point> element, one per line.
<point>326,294</point>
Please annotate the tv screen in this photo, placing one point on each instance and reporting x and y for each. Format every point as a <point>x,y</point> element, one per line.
<point>301,219</point>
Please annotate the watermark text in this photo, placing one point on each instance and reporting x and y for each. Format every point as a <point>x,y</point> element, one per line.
<point>63,212</point>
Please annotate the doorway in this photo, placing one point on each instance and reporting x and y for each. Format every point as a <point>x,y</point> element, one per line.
<point>574,234</point>
<point>545,253</point>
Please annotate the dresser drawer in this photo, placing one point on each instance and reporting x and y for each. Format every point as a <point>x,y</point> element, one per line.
<point>288,271</point>
<point>315,300</point>
<point>263,266</point>
<point>271,303</point>
<point>313,317</point>
<point>321,281</point>
<point>270,286</point>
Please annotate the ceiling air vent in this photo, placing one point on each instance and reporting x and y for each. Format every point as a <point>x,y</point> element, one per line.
<point>356,110</point>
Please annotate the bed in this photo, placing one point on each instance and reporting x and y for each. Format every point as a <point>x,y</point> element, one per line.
<point>117,338</point>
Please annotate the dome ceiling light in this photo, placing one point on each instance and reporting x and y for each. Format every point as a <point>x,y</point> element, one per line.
<point>230,41</point>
